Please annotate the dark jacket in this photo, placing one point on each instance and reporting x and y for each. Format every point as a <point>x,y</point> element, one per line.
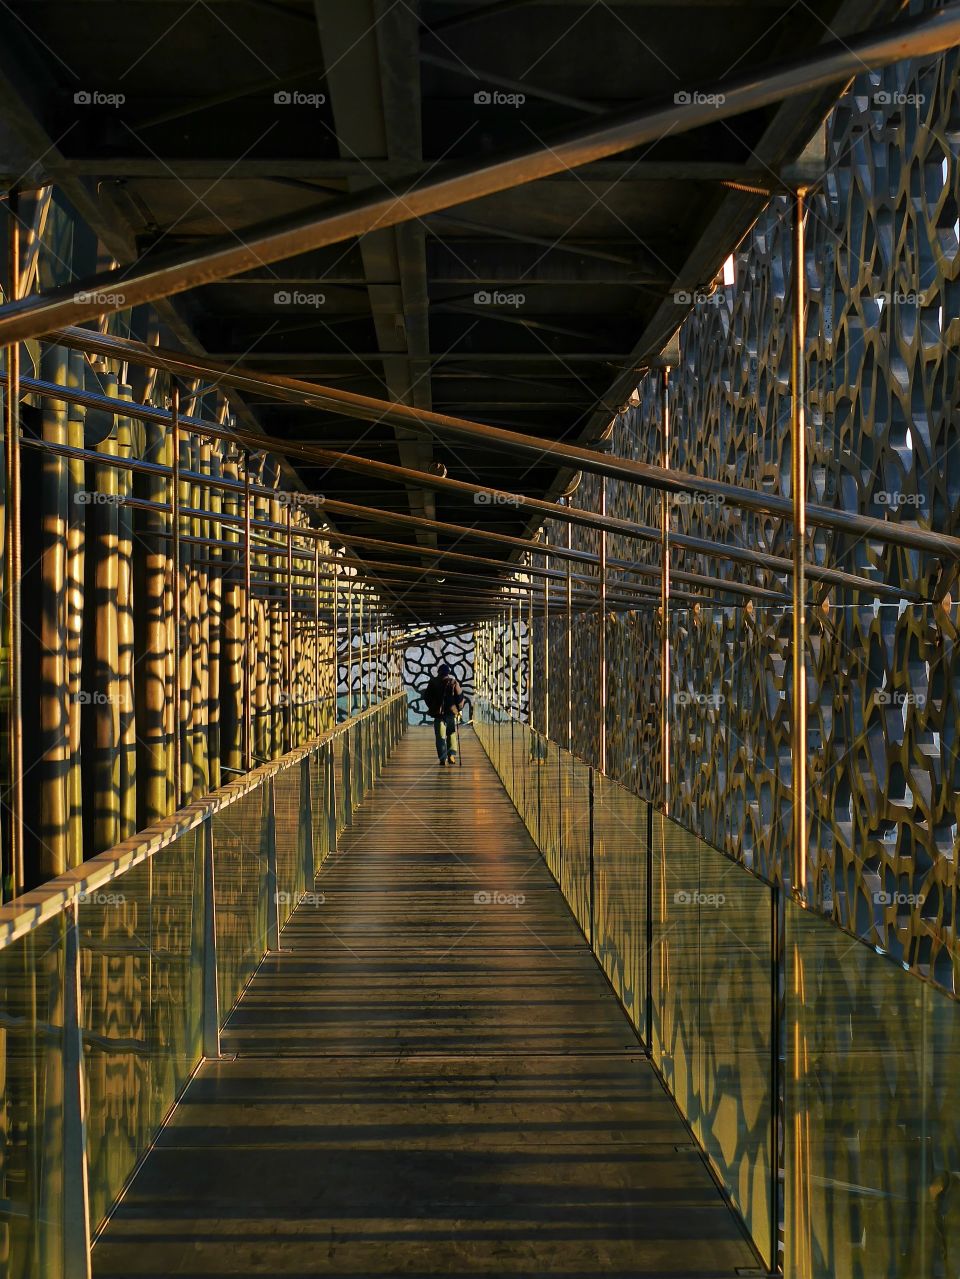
<point>443,696</point>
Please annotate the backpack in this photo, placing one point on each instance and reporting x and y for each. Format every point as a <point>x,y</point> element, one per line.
<point>441,695</point>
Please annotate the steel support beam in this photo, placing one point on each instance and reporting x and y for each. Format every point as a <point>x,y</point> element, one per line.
<point>159,277</point>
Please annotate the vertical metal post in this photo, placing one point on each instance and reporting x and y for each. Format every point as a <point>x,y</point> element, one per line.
<point>330,763</point>
<point>315,722</point>
<point>248,666</point>
<point>270,866</point>
<point>531,717</point>
<point>349,653</point>
<point>510,668</point>
<point>288,664</point>
<point>347,778</point>
<point>602,641</point>
<point>211,987</point>
<point>665,595</point>
<point>546,650</point>
<point>380,651</point>
<point>307,850</point>
<point>14,567</point>
<point>648,1011</point>
<point>76,1183</point>
<point>360,624</point>
<point>798,483</point>
<point>593,878</point>
<point>777,1061</point>
<point>798,750</point>
<point>336,641</point>
<point>176,597</point>
<point>569,620</point>
<point>506,657</point>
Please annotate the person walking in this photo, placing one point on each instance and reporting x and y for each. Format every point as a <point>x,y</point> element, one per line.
<point>445,700</point>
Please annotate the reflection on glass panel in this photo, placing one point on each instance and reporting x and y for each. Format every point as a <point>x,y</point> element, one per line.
<point>355,735</point>
<point>341,756</point>
<point>509,772</point>
<point>620,871</point>
<point>327,716</point>
<point>31,1130</point>
<point>318,806</point>
<point>240,889</point>
<point>575,836</point>
<point>872,1112</point>
<point>734,1113</point>
<point>676,959</point>
<point>530,762</point>
<point>141,944</point>
<point>712,1010</point>
<point>286,800</point>
<point>550,808</point>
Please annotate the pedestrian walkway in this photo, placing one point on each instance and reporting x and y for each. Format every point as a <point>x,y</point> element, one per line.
<point>432,1078</point>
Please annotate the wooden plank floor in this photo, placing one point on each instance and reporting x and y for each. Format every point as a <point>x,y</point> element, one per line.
<point>424,1083</point>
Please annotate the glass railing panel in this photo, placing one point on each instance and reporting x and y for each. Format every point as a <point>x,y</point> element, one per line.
<point>31,1127</point>
<point>530,763</point>
<point>550,807</point>
<point>141,950</point>
<point>318,806</point>
<point>506,753</point>
<point>342,775</point>
<point>498,735</point>
<point>735,992</point>
<point>675,1040</point>
<point>240,891</point>
<point>355,732</point>
<point>575,836</point>
<point>620,892</point>
<point>328,710</point>
<point>872,1112</point>
<point>286,802</point>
